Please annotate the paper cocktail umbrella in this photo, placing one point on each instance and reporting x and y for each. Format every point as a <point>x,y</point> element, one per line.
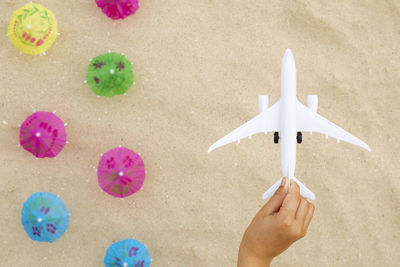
<point>45,217</point>
<point>121,172</point>
<point>109,74</point>
<point>33,29</point>
<point>127,253</point>
<point>118,9</point>
<point>43,134</point>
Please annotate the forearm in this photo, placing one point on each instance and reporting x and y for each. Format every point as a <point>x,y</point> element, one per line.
<point>248,259</point>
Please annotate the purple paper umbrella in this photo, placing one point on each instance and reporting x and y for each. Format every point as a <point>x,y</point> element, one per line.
<point>121,172</point>
<point>43,134</point>
<point>118,9</point>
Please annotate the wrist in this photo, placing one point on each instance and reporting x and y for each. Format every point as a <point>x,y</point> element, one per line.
<point>247,258</point>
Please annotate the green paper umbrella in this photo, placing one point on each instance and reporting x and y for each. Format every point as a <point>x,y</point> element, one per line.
<point>109,74</point>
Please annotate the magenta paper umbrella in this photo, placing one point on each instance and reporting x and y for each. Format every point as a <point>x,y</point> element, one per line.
<point>118,9</point>
<point>43,134</point>
<point>121,172</point>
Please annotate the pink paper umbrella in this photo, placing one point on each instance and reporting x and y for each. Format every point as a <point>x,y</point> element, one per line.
<point>121,172</point>
<point>118,9</point>
<point>43,134</point>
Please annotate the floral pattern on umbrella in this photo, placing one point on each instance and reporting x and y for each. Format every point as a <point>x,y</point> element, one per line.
<point>45,217</point>
<point>33,29</point>
<point>127,253</point>
<point>109,74</point>
<point>118,9</point>
<point>43,134</point>
<point>121,172</point>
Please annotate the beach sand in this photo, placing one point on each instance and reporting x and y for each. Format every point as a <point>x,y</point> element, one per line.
<point>199,68</point>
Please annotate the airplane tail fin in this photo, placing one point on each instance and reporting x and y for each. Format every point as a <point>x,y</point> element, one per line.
<point>304,191</point>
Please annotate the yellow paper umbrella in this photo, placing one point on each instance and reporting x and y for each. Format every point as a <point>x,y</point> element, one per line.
<point>33,29</point>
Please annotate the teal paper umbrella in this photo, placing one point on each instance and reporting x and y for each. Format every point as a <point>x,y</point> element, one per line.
<point>109,74</point>
<point>127,253</point>
<point>45,217</point>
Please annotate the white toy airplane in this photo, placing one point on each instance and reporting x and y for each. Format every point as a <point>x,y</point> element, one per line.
<point>289,117</point>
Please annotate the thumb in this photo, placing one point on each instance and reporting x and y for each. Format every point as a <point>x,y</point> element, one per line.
<point>275,202</point>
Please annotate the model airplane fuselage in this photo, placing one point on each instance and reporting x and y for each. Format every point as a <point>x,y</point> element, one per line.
<point>289,117</point>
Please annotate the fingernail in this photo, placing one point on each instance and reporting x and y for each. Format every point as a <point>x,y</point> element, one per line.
<point>285,183</point>
<point>293,184</point>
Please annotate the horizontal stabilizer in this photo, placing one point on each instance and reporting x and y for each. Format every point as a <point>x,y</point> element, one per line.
<point>304,191</point>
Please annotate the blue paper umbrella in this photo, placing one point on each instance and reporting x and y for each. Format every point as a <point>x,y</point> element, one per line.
<point>127,253</point>
<point>45,217</point>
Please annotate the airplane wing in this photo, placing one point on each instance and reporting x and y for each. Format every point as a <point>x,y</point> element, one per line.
<point>267,121</point>
<point>309,121</point>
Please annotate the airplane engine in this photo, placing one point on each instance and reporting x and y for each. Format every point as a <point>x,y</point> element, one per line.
<point>312,102</point>
<point>262,103</point>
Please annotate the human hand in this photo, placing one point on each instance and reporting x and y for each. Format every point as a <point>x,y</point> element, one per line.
<point>280,222</point>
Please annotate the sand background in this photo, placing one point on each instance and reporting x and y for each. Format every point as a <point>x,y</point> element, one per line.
<point>199,68</point>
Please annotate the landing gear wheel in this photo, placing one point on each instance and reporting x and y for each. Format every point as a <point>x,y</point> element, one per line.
<point>276,137</point>
<point>299,137</point>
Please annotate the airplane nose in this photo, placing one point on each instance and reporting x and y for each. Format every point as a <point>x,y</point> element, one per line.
<point>288,61</point>
<point>288,53</point>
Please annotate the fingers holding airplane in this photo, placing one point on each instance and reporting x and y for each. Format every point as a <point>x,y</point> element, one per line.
<point>308,217</point>
<point>296,213</point>
<point>290,203</point>
<point>303,217</point>
<point>275,202</point>
<point>302,211</point>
